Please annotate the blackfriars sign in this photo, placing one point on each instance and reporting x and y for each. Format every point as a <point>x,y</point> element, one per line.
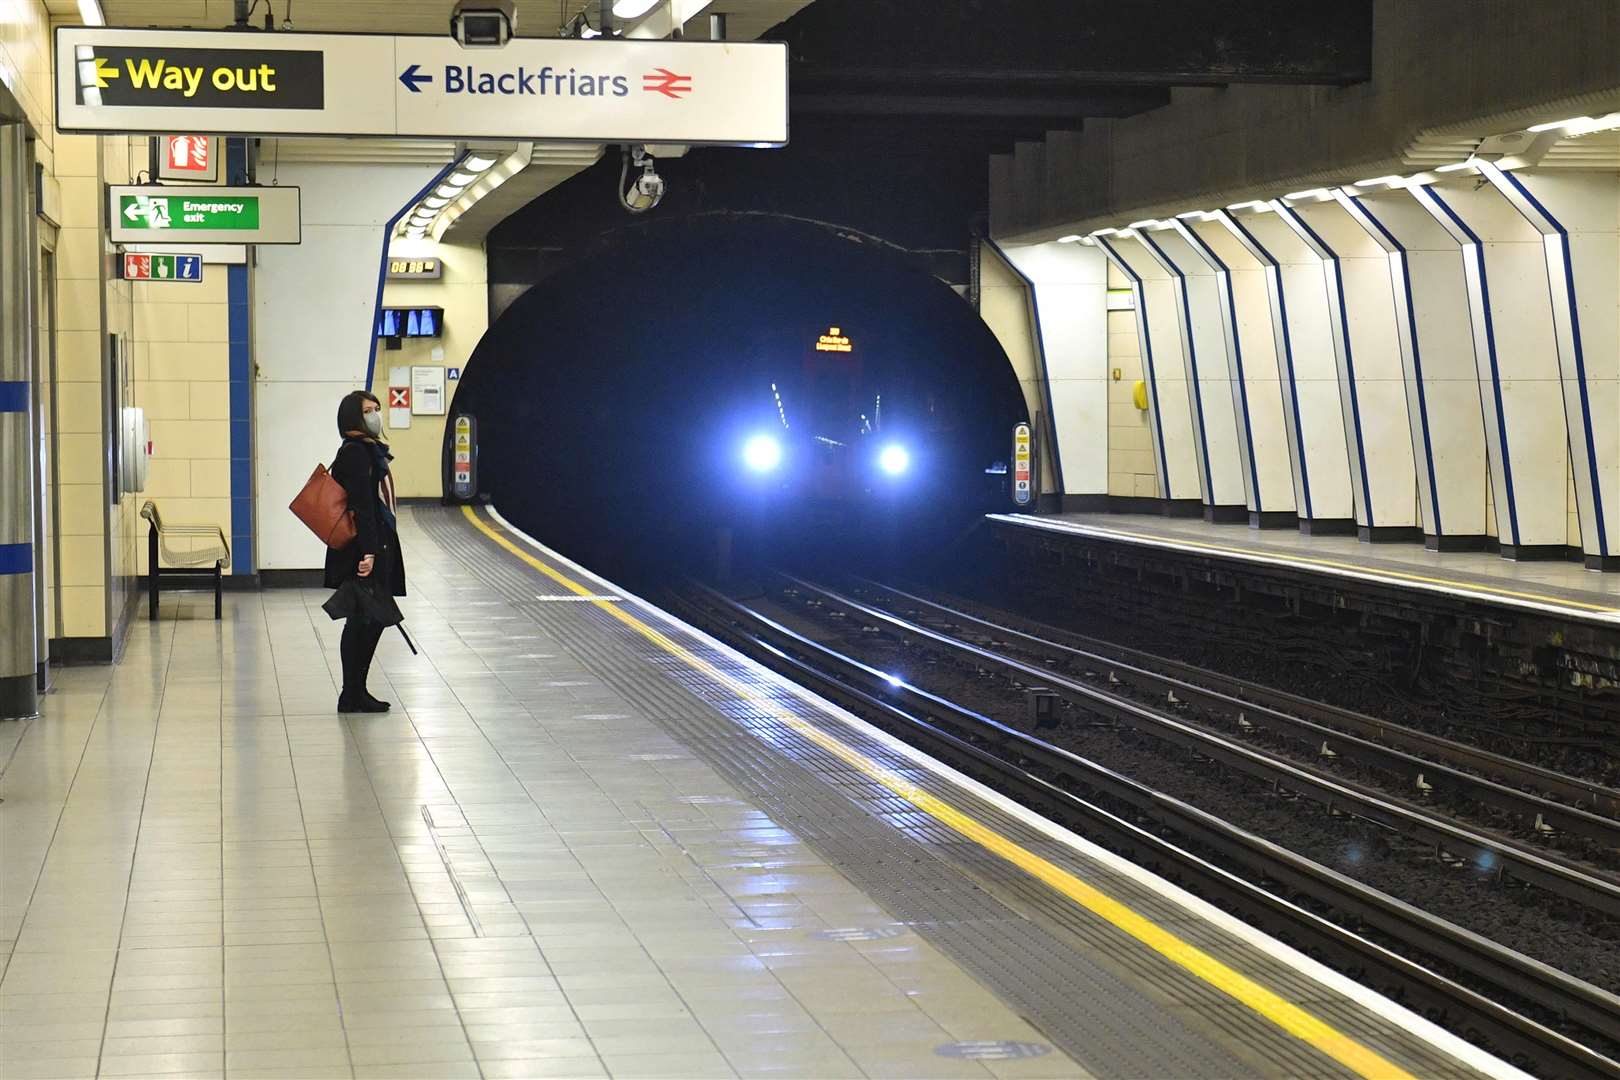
<point>357,85</point>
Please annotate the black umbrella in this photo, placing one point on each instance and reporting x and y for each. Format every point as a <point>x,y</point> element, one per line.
<point>358,596</point>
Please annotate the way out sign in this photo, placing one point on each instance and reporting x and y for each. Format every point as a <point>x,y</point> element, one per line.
<point>230,83</point>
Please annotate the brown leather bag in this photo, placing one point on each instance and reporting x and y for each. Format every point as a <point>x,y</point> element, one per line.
<point>323,505</point>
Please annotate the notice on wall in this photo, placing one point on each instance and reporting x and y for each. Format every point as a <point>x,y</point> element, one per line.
<point>427,390</point>
<point>399,397</point>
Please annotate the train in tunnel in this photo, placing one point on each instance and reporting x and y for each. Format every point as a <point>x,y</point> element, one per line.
<point>822,398</point>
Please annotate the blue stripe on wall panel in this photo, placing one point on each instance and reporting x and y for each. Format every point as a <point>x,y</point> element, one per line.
<point>16,558</point>
<point>13,397</point>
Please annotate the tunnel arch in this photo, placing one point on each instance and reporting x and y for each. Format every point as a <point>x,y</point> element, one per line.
<point>617,383</point>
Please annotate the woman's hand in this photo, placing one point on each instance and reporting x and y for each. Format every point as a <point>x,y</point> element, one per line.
<point>366,564</point>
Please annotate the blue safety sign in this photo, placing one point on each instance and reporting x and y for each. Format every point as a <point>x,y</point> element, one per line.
<point>452,373</point>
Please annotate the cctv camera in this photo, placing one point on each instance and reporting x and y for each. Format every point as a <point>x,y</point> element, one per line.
<point>483,23</point>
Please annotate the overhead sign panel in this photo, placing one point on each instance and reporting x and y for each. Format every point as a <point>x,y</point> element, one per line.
<point>357,85</point>
<point>154,214</point>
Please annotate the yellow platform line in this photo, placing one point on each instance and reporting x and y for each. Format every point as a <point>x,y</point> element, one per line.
<point>1172,540</point>
<point>1279,1011</point>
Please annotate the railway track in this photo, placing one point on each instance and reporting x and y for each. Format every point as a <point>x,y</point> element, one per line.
<point>1527,1010</point>
<point>1336,794</point>
<point>1568,803</point>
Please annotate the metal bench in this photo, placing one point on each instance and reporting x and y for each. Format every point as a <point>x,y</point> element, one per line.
<point>207,555</point>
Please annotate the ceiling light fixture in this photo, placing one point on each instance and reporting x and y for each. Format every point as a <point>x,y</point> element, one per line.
<point>633,9</point>
<point>1249,204</point>
<point>90,13</point>
<point>1069,239</point>
<point>435,202</point>
<point>1385,181</point>
<point>477,164</point>
<point>1104,232</point>
<point>449,191</point>
<point>1456,166</point>
<point>1312,193</point>
<point>1145,223</point>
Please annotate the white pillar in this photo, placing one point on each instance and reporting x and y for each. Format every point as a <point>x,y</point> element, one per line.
<point>1068,285</point>
<point>1577,214</point>
<point>1372,387</point>
<point>1302,343</point>
<point>1437,354</point>
<point>1203,352</point>
<point>1516,354</point>
<point>1244,313</point>
<point>1169,398</point>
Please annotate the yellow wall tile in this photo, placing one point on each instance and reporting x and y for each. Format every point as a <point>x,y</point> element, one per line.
<point>75,155</point>
<point>192,438</point>
<point>78,407</point>
<point>80,512</point>
<point>79,458</point>
<point>209,322</point>
<point>78,304</point>
<point>84,611</point>
<point>78,253</point>
<point>210,400</point>
<point>211,479</point>
<point>168,478</point>
<point>189,361</point>
<point>81,199</point>
<point>84,560</point>
<point>164,400</point>
<point>78,355</point>
<point>161,322</point>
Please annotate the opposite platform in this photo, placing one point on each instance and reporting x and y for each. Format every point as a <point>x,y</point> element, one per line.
<point>1560,588</point>
<point>588,841</point>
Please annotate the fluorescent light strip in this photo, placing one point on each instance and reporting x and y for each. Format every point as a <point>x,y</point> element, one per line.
<point>633,9</point>
<point>90,13</point>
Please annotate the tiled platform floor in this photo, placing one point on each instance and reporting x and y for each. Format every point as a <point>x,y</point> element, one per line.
<point>207,872</point>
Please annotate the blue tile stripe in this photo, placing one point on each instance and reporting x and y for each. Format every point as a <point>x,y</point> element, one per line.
<point>240,338</point>
<point>13,397</point>
<point>16,558</point>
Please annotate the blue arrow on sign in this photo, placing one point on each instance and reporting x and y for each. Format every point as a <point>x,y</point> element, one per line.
<point>413,82</point>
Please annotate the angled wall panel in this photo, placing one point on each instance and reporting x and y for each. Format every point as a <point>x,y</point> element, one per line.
<point>1516,354</point>
<point>1578,217</point>
<point>1169,397</point>
<point>1069,289</point>
<point>1221,432</point>
<point>1257,391</point>
<point>1371,382</point>
<point>1437,354</point>
<point>1303,344</point>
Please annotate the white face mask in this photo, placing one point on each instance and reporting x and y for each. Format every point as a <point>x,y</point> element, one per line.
<point>373,421</point>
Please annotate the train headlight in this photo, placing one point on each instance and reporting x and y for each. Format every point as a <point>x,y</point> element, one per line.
<point>762,453</point>
<point>893,459</point>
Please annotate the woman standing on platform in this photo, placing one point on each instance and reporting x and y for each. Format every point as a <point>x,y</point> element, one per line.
<point>361,466</point>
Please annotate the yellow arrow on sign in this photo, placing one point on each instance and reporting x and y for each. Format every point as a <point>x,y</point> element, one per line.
<point>104,71</point>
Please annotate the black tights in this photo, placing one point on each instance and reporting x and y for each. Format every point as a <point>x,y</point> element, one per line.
<point>359,644</point>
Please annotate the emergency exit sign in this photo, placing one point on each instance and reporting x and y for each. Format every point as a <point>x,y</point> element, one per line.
<point>212,215</point>
<point>166,267</point>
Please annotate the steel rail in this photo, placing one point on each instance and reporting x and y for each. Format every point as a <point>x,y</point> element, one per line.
<point>1167,674</point>
<point>1336,794</point>
<point>1472,956</point>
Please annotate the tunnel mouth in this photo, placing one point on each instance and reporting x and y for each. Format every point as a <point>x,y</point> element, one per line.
<point>755,388</point>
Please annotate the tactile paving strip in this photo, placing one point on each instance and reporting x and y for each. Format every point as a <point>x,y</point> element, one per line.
<point>1069,973</point>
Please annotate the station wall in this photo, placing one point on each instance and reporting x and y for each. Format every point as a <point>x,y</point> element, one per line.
<point>463,293</point>
<point>313,315</point>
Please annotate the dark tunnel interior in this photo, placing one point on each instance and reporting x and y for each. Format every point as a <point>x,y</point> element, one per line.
<point>662,402</point>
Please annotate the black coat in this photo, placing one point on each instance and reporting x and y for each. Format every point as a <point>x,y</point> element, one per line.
<point>356,469</point>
